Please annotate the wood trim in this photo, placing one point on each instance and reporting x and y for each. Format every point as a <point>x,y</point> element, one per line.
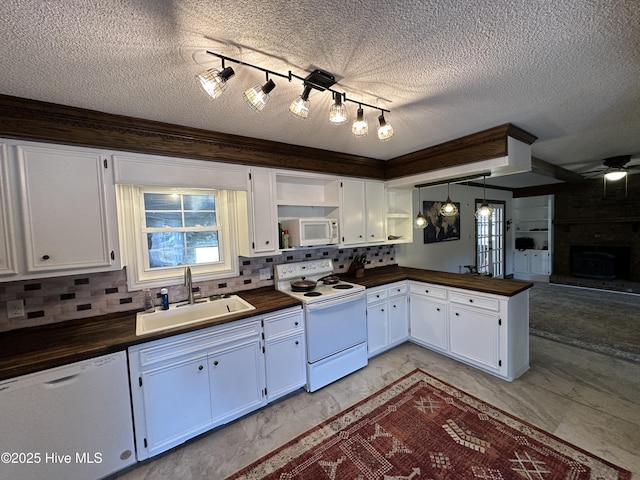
<point>484,145</point>
<point>27,119</point>
<point>40,121</point>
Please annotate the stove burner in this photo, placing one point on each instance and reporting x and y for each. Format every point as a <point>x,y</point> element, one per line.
<point>343,286</point>
<point>312,294</point>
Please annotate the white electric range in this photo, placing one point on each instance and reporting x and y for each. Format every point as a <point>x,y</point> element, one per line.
<point>335,320</point>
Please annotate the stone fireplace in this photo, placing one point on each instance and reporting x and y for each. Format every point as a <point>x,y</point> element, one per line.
<point>600,262</point>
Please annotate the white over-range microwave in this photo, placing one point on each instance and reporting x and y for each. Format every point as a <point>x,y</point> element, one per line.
<point>310,232</point>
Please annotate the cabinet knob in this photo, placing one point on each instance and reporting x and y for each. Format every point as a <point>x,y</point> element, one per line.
<point>372,235</point>
<point>297,323</point>
<point>426,291</point>
<point>216,361</point>
<point>377,296</point>
<point>267,242</point>
<point>457,314</point>
<point>46,257</point>
<point>359,236</point>
<point>297,342</point>
<point>470,300</point>
<point>394,306</point>
<point>200,367</point>
<point>437,309</point>
<point>382,309</point>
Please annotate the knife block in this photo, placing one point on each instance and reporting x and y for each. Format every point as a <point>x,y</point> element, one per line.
<point>356,270</point>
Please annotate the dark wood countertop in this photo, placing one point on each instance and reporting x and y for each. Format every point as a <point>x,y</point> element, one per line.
<point>29,350</point>
<point>379,276</point>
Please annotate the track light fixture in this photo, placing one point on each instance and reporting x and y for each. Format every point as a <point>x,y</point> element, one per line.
<point>448,209</point>
<point>338,112</point>
<point>258,95</point>
<point>385,130</point>
<point>213,82</point>
<point>360,126</point>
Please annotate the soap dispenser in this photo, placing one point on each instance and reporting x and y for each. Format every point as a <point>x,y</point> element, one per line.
<point>149,305</point>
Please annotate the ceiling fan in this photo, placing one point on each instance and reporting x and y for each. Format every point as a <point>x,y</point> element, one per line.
<point>614,168</point>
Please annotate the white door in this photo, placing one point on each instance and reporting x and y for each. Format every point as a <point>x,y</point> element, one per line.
<point>286,365</point>
<point>377,331</point>
<point>353,212</point>
<point>474,335</point>
<point>375,201</point>
<point>264,235</point>
<point>428,322</point>
<point>490,245</point>
<point>398,319</point>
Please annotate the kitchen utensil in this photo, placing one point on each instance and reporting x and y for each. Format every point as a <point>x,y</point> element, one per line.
<point>302,285</point>
<point>329,279</point>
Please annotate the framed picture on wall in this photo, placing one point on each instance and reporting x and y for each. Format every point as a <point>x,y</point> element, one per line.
<point>439,228</point>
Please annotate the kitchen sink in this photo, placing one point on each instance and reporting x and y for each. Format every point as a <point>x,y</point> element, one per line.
<point>181,314</point>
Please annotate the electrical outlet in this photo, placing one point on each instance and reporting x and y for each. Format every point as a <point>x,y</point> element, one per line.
<point>265,274</point>
<point>15,308</point>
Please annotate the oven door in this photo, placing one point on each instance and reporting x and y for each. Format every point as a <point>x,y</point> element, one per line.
<point>335,325</point>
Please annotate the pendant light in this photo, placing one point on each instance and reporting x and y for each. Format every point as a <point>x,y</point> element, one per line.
<point>338,112</point>
<point>360,126</point>
<point>300,106</point>
<point>420,221</point>
<point>449,208</point>
<point>213,82</point>
<point>485,211</point>
<point>258,95</point>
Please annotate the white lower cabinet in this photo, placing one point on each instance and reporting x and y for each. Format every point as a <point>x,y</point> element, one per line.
<point>285,353</point>
<point>387,317</point>
<point>428,315</point>
<point>187,384</point>
<point>487,331</point>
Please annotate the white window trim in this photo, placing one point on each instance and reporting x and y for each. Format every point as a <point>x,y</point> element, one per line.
<point>131,216</point>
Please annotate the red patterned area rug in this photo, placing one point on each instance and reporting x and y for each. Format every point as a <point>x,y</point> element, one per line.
<point>421,428</point>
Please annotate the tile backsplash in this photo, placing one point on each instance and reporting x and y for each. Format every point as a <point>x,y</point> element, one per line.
<point>52,300</point>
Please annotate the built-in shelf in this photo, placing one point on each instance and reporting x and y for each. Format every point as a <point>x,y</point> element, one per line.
<point>533,228</point>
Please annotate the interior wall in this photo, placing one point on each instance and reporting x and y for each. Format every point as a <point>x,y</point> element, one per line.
<point>451,256</point>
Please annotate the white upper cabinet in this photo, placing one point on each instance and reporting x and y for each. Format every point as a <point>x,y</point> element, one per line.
<point>67,210</point>
<point>261,229</point>
<point>363,212</point>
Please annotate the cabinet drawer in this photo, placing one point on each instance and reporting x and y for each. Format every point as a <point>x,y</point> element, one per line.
<point>399,289</point>
<point>186,344</point>
<point>428,290</point>
<point>281,324</point>
<point>478,301</point>
<point>376,296</point>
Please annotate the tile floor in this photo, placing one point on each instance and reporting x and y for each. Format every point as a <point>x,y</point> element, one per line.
<point>588,399</point>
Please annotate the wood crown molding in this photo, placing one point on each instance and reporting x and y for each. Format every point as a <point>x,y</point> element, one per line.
<point>48,122</point>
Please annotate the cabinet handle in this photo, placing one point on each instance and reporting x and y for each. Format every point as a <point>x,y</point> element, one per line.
<point>200,367</point>
<point>216,361</point>
<point>46,257</point>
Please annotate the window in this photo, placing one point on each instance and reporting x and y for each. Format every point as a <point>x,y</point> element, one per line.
<point>167,229</point>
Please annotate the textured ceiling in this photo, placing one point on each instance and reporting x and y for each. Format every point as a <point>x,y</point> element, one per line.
<point>567,71</point>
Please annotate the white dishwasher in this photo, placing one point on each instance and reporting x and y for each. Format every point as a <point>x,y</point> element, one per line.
<point>70,422</point>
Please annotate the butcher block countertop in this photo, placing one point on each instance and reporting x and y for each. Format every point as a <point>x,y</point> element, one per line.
<point>29,350</point>
<point>393,273</point>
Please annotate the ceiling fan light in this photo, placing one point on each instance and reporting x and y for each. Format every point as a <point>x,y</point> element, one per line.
<point>213,82</point>
<point>360,126</point>
<point>385,130</point>
<point>615,175</point>
<point>258,95</point>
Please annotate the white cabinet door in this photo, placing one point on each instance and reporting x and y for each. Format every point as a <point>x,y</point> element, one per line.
<point>236,380</point>
<point>398,319</point>
<point>376,214</point>
<point>475,336</point>
<point>353,212</point>
<point>264,214</point>
<point>429,322</point>
<point>177,404</point>
<point>7,247</point>
<point>539,262</point>
<point>67,209</point>
<point>285,353</point>
<point>377,328</point>
<point>521,261</point>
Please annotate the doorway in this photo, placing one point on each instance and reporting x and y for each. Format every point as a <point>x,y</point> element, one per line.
<point>490,244</point>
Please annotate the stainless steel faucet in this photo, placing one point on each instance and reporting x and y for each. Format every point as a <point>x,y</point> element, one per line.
<point>188,284</point>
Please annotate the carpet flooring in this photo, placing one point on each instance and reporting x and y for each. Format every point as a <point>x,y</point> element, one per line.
<point>601,321</point>
<point>422,427</point>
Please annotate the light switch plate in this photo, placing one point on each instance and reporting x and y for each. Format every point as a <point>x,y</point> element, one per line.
<point>15,308</point>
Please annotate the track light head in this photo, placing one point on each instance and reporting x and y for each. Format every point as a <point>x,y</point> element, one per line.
<point>338,112</point>
<point>213,82</point>
<point>300,106</point>
<point>258,95</point>
<point>385,130</point>
<point>360,126</point>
